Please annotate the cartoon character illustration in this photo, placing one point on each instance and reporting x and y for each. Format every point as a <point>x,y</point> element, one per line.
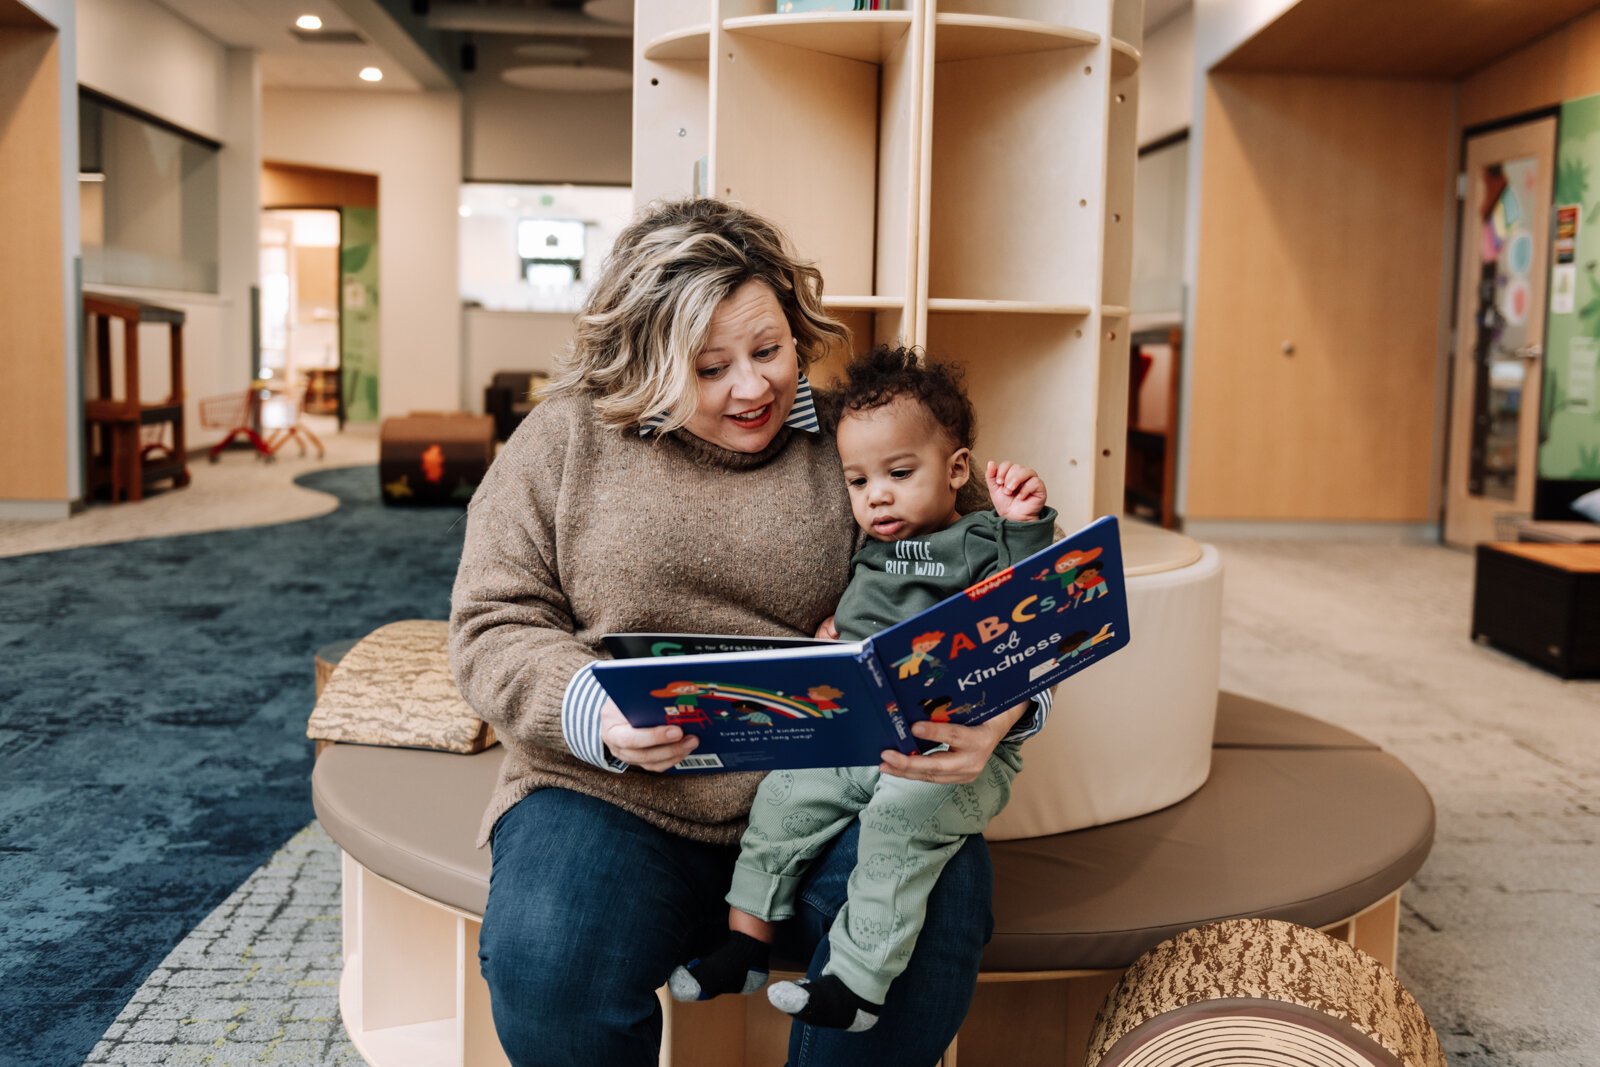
<point>685,706</point>
<point>1065,570</point>
<point>922,647</point>
<point>433,464</point>
<point>751,713</point>
<point>825,697</point>
<point>945,709</point>
<point>1082,641</point>
<point>1091,583</point>
<point>400,488</point>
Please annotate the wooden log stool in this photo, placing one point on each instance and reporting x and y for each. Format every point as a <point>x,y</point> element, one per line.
<point>1262,992</point>
<point>133,445</point>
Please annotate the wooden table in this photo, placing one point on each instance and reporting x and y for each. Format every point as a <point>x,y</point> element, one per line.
<point>124,460</point>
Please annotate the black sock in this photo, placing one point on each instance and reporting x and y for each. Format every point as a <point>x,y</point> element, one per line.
<point>825,1002</point>
<point>738,965</point>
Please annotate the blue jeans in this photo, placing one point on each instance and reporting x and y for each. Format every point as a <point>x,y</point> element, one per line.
<point>591,907</point>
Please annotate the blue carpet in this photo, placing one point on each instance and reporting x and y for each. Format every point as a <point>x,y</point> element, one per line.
<point>153,701</point>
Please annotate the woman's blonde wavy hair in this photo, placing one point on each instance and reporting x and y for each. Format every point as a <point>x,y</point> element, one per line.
<point>650,312</point>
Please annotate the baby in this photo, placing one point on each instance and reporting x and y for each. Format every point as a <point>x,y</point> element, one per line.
<point>905,435</point>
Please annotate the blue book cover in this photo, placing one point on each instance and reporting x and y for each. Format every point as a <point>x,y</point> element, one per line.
<point>995,644</point>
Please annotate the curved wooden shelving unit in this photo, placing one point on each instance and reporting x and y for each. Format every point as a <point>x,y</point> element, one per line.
<point>864,303</point>
<point>1124,59</point>
<point>868,36</point>
<point>944,305</point>
<point>962,36</point>
<point>691,43</point>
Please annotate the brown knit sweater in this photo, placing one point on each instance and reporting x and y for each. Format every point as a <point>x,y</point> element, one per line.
<point>578,531</point>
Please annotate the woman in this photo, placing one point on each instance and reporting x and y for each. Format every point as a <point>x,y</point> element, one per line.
<point>672,479</point>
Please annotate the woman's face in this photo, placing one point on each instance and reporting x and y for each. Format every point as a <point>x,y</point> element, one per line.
<point>748,371</point>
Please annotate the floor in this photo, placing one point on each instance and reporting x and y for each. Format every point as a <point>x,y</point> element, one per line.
<point>1500,927</point>
<point>238,490</point>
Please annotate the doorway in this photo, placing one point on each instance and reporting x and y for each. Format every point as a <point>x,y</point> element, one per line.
<point>1497,361</point>
<point>300,328</point>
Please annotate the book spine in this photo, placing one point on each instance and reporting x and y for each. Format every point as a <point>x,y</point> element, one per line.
<point>899,731</point>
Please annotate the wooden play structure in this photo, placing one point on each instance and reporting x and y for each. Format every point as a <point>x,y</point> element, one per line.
<point>133,443</point>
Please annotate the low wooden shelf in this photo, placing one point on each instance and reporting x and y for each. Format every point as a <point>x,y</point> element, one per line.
<point>125,459</point>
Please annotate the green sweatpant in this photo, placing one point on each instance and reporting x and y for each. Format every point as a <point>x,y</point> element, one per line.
<point>909,831</point>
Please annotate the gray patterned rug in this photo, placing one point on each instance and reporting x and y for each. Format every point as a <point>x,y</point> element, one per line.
<point>257,982</point>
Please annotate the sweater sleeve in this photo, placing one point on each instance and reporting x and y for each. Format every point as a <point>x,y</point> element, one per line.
<point>512,648</point>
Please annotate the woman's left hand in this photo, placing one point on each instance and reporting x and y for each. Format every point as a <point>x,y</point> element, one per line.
<point>969,749</point>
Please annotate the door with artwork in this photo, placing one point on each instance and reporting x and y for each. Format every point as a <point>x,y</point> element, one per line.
<point>1499,336</point>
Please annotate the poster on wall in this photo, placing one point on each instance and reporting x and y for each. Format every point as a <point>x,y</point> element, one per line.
<point>1569,424</point>
<point>358,312</point>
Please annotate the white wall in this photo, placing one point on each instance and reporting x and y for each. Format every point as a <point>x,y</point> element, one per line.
<point>1166,78</point>
<point>509,340</point>
<point>515,135</point>
<point>412,142</point>
<point>142,54</point>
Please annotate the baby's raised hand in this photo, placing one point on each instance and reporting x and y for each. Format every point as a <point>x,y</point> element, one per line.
<point>1017,491</point>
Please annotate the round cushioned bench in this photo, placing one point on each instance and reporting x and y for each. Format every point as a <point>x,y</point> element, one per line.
<point>1299,820</point>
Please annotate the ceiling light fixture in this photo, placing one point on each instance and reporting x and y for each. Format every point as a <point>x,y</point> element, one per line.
<point>371,74</point>
<point>309,22</point>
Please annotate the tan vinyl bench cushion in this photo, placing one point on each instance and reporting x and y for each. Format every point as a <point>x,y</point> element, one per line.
<point>1307,834</point>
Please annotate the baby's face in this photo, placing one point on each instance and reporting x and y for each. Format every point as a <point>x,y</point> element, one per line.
<point>901,471</point>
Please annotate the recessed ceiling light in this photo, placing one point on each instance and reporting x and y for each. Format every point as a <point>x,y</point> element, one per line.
<point>371,74</point>
<point>309,22</point>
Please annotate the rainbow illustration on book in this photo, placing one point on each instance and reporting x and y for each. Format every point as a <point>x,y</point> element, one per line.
<point>748,701</point>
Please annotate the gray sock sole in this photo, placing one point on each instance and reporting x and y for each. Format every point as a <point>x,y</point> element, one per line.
<point>682,985</point>
<point>788,997</point>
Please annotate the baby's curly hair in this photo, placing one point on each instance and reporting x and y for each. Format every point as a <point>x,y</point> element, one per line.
<point>885,374</point>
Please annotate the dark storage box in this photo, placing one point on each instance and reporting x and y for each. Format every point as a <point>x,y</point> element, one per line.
<point>1540,602</point>
<point>434,459</point>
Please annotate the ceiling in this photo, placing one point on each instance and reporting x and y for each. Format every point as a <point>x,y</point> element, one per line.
<point>290,62</point>
<point>1399,38</point>
<point>600,28</point>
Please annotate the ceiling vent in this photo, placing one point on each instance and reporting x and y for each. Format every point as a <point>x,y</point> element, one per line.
<point>327,36</point>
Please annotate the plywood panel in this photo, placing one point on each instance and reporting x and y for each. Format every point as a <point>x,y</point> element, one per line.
<point>1381,38</point>
<point>33,374</point>
<point>1562,66</point>
<point>290,185</point>
<point>1320,226</point>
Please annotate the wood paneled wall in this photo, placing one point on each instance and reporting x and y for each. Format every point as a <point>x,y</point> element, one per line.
<point>290,185</point>
<point>33,356</point>
<point>1563,65</point>
<point>1322,225</point>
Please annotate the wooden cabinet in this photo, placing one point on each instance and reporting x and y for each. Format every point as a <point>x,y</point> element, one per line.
<point>132,443</point>
<point>961,171</point>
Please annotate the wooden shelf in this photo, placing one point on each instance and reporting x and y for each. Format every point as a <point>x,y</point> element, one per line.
<point>1124,59</point>
<point>864,303</point>
<point>868,36</point>
<point>1113,311</point>
<point>944,305</point>
<point>961,36</point>
<point>691,43</point>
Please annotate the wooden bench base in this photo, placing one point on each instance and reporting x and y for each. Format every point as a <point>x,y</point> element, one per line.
<point>412,995</point>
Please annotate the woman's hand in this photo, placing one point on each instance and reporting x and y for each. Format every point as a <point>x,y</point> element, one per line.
<point>827,630</point>
<point>658,748</point>
<point>1017,491</point>
<point>970,748</point>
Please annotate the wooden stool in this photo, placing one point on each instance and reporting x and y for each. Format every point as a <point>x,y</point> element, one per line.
<point>120,460</point>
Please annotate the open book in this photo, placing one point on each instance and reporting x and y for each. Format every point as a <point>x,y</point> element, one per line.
<point>801,703</point>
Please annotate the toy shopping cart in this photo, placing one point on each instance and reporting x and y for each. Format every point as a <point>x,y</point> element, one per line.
<point>239,414</point>
<point>278,413</point>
